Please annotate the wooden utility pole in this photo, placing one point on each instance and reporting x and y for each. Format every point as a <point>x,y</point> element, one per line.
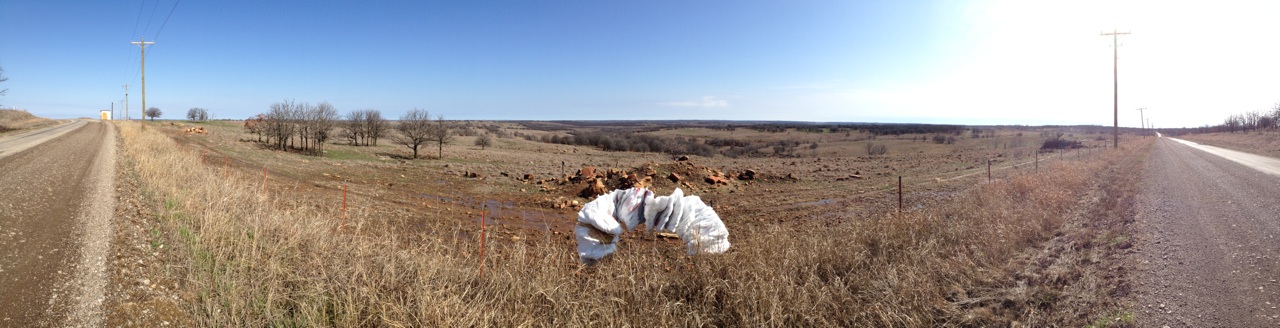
<point>1142,121</point>
<point>143,46</point>
<point>126,102</point>
<point>1115,77</point>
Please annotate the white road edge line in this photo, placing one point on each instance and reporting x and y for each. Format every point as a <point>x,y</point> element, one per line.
<point>1263,164</point>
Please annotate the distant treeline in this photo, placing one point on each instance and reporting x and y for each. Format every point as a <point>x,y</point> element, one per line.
<point>871,128</point>
<point>775,127</point>
<point>613,141</point>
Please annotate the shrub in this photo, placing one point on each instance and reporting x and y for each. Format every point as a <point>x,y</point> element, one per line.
<point>1059,143</point>
<point>876,149</point>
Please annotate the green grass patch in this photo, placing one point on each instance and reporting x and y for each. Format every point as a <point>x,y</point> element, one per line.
<point>218,123</point>
<point>155,239</point>
<point>1119,319</point>
<point>348,155</point>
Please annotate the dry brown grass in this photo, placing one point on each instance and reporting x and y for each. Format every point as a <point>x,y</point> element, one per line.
<point>16,119</point>
<point>1258,142</point>
<point>247,259</point>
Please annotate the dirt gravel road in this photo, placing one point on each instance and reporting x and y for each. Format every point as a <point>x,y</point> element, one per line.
<point>1208,224</point>
<point>56,203</point>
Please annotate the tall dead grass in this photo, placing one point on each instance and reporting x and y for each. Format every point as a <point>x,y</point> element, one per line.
<point>15,119</point>
<point>246,259</point>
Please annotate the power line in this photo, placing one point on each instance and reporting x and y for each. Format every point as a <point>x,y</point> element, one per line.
<point>128,66</point>
<point>141,4</point>
<point>166,19</point>
<point>151,17</point>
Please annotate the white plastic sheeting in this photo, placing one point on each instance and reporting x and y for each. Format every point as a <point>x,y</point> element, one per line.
<point>602,220</point>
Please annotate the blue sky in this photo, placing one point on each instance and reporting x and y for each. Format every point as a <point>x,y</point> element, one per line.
<point>969,62</point>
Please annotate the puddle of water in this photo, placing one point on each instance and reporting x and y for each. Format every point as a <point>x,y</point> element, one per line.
<point>437,198</point>
<point>507,213</point>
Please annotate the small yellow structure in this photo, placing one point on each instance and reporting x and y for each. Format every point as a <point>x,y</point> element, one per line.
<point>106,115</point>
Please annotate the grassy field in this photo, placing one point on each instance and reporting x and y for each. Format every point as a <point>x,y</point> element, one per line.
<point>1039,245</point>
<point>16,119</point>
<point>1263,142</point>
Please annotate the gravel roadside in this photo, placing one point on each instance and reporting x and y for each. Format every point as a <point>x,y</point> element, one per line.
<point>96,225</point>
<point>1207,242</point>
<point>51,217</point>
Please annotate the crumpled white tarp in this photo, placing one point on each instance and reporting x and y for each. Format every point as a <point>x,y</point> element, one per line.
<point>602,220</point>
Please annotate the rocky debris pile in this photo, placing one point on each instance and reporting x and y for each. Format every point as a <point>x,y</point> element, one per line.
<point>196,130</point>
<point>593,189</point>
<point>561,202</point>
<point>590,181</point>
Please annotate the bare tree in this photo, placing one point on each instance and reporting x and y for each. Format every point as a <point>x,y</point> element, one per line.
<point>375,126</point>
<point>323,119</point>
<point>302,121</point>
<point>364,127</point>
<point>1234,122</point>
<point>2,79</point>
<point>153,113</point>
<point>354,127</point>
<point>484,141</point>
<point>1275,114</point>
<point>441,133</point>
<point>415,129</point>
<point>279,123</point>
<point>197,114</point>
<point>257,125</point>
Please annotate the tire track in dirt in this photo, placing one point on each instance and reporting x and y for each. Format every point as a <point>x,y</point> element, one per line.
<point>53,204</point>
<point>1208,232</point>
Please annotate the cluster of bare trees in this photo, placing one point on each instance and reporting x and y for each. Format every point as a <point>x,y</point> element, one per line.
<point>197,114</point>
<point>416,128</point>
<point>297,125</point>
<point>1253,120</point>
<point>364,126</point>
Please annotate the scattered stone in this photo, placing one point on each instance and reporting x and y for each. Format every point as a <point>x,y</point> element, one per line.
<point>648,170</point>
<point>644,182</point>
<point>674,177</point>
<point>594,189</point>
<point>585,174</point>
<point>747,174</point>
<point>683,158</point>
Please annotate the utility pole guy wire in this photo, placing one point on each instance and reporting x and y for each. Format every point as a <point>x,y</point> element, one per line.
<point>1115,76</point>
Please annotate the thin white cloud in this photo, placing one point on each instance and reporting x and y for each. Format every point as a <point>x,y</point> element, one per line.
<point>705,102</point>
